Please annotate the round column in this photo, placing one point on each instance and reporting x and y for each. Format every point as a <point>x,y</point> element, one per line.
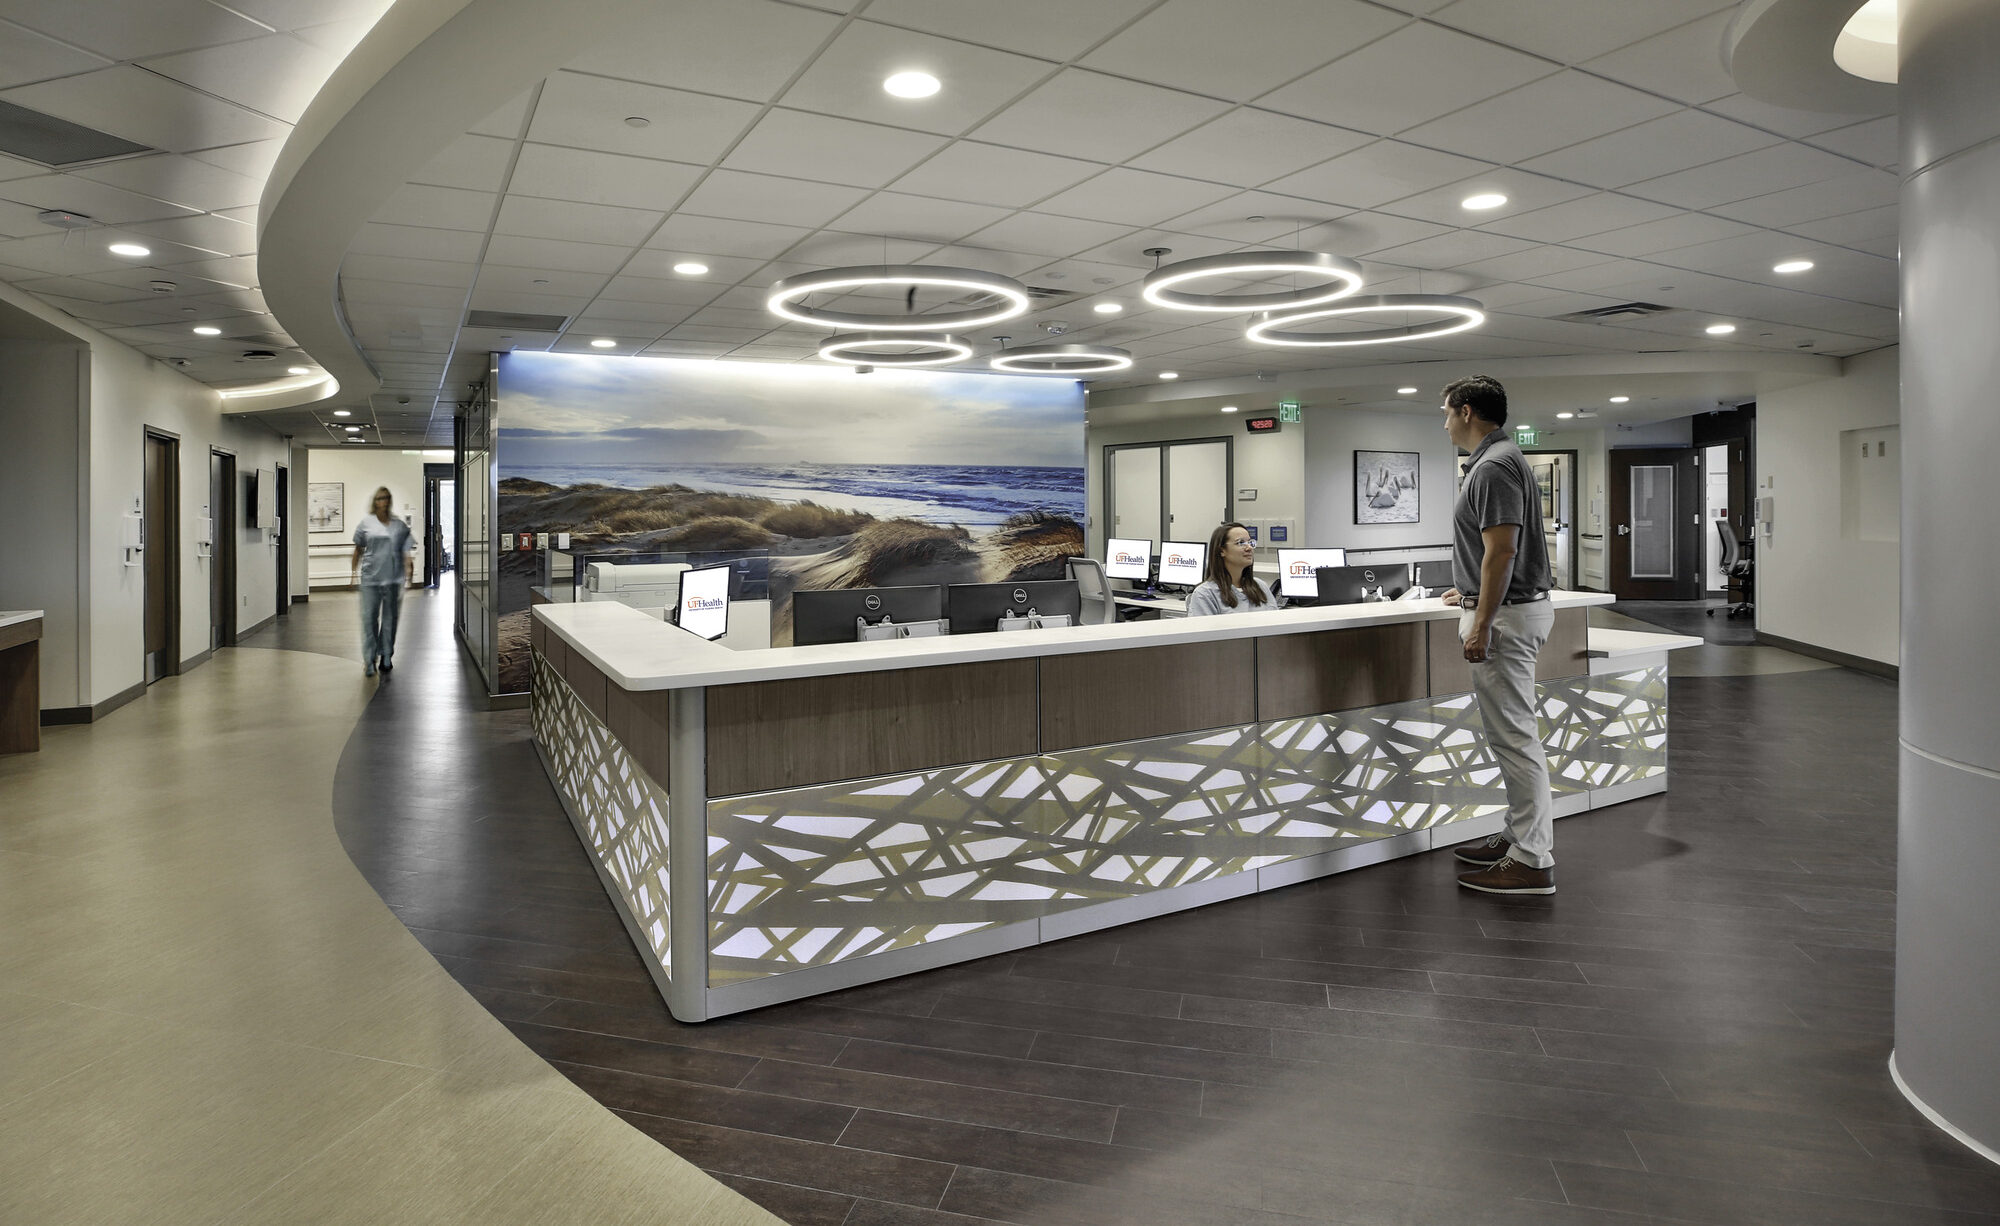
<point>1947,1059</point>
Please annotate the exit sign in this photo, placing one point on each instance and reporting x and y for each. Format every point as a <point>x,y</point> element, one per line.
<point>1525,436</point>
<point>1290,410</point>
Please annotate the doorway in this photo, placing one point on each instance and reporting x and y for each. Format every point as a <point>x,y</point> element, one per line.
<point>282,505</point>
<point>1178,491</point>
<point>440,520</point>
<point>222,565</point>
<point>1555,479</point>
<point>160,553</point>
<point>1656,524</point>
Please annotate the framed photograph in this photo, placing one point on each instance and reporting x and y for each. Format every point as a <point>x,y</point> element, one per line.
<point>326,506</point>
<point>1545,482</point>
<point>1387,487</point>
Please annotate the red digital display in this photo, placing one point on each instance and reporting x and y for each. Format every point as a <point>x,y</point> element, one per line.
<point>1261,425</point>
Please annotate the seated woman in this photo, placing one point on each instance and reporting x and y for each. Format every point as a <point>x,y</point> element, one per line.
<point>1230,586</point>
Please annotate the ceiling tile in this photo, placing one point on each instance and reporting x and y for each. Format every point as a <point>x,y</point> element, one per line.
<point>687,234</point>
<point>1088,114</point>
<point>846,79</point>
<point>1743,176</point>
<point>507,120</point>
<point>1372,88</point>
<point>361,292</point>
<point>651,299</point>
<point>1658,147</point>
<point>27,56</point>
<point>507,278</point>
<point>1134,197</point>
<point>1849,193</point>
<point>1782,120</point>
<point>1572,30</point>
<point>235,270</point>
<point>1377,174</point>
<point>252,159</point>
<point>737,48</point>
<point>205,230</point>
<point>1538,261</point>
<point>130,102</point>
<point>528,304</point>
<point>1540,116</point>
<point>556,253</point>
<point>108,205</point>
<point>181,180</point>
<point>1682,63</point>
<point>1525,193</point>
<point>916,217</point>
<point>1040,234</point>
<point>1363,232</point>
<point>991,174</point>
<point>788,202</point>
<point>722,269</point>
<point>1577,218</point>
<point>1248,146</point>
<point>1874,142</point>
<point>592,177</point>
<point>152,27</point>
<point>1277,218</point>
<point>1849,228</point>
<point>533,217</point>
<point>1451,249</point>
<point>1647,238</point>
<point>442,208</point>
<point>829,149</point>
<point>276,75</point>
<point>1053,29</point>
<point>1205,47</point>
<point>477,163</point>
<point>420,272</point>
<point>590,113</point>
<point>414,242</point>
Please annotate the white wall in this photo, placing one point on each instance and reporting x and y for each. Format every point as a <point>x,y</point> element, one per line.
<point>41,393</point>
<point>1332,438</point>
<point>1818,580</point>
<point>360,470</point>
<point>1272,464</point>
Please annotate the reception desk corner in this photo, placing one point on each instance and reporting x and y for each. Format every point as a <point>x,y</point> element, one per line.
<point>777,823</point>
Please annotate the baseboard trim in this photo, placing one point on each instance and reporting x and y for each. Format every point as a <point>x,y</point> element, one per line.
<point>247,631</point>
<point>197,660</point>
<point>1934,1116</point>
<point>1860,664</point>
<point>301,599</point>
<point>57,716</point>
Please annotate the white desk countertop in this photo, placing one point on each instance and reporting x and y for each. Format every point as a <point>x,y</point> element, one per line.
<point>12,617</point>
<point>638,652</point>
<point>1615,644</point>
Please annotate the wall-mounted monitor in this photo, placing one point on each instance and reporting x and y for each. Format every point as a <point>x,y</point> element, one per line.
<point>260,499</point>
<point>1183,562</point>
<point>703,606</point>
<point>1296,567</point>
<point>1128,559</point>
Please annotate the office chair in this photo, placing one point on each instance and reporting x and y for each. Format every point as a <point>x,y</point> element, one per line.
<point>1098,608</point>
<point>1740,570</point>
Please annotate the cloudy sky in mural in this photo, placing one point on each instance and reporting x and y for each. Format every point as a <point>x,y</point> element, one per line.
<point>557,408</point>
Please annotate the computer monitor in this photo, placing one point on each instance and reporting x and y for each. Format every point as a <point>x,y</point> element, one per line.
<point>1354,584</point>
<point>1434,576</point>
<point>830,616</point>
<point>1296,567</point>
<point>1183,562</point>
<point>1128,560</point>
<point>702,607</point>
<point>976,608</point>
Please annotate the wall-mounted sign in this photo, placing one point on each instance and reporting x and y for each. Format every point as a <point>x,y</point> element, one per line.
<point>1290,410</point>
<point>1526,436</point>
<point>1261,425</point>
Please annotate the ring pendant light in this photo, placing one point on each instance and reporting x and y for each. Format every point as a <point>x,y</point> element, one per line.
<point>865,349</point>
<point>1066,359</point>
<point>788,295</point>
<point>1465,314</point>
<point>1161,285</point>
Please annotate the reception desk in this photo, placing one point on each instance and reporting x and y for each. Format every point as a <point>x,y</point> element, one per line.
<point>20,681</point>
<point>782,822</point>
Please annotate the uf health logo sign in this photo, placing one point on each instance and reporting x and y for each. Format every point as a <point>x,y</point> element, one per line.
<point>1181,559</point>
<point>1125,557</point>
<point>703,604</point>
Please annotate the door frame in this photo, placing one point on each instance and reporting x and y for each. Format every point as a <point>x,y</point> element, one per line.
<point>170,568</point>
<point>1575,479</point>
<point>223,495</point>
<point>1687,581</point>
<point>434,477</point>
<point>1166,480</point>
<point>281,501</point>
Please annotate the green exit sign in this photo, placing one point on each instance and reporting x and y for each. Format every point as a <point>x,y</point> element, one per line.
<point>1525,436</point>
<point>1290,410</point>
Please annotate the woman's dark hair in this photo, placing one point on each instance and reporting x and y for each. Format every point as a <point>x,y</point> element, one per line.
<point>1482,394</point>
<point>1218,571</point>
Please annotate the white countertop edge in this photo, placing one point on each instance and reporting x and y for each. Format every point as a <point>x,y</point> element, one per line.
<point>1614,644</point>
<point>638,652</point>
<point>13,617</point>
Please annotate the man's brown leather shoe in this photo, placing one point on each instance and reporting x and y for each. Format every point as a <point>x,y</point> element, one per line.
<point>1485,852</point>
<point>1510,876</point>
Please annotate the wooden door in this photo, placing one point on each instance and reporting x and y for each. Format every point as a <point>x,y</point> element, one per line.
<point>160,559</point>
<point>1655,524</point>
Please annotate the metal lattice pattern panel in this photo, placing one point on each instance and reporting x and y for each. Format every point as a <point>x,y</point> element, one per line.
<point>816,875</point>
<point>618,809</point>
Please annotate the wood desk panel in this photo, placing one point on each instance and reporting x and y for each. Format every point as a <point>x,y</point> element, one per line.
<point>639,720</point>
<point>1106,696</point>
<point>21,687</point>
<point>767,735</point>
<point>1562,656</point>
<point>1338,670</point>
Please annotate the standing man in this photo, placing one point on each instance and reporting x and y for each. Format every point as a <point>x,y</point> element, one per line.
<point>1500,564</point>
<point>383,566</point>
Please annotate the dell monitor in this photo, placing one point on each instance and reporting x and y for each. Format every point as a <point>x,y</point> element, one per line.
<point>1354,584</point>
<point>1183,562</point>
<point>1296,568</point>
<point>1436,577</point>
<point>702,608</point>
<point>976,608</point>
<point>1131,560</point>
<point>837,614</point>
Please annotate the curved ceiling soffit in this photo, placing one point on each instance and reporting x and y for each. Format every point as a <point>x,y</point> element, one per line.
<point>1781,52</point>
<point>428,71</point>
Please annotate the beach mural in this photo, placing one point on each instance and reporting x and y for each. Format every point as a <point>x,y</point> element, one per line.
<point>845,479</point>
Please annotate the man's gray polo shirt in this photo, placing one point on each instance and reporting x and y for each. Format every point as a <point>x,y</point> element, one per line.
<point>1499,488</point>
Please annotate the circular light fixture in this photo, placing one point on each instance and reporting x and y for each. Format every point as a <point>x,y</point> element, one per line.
<point>1406,391</point>
<point>343,412</point>
<point>604,342</point>
<point>638,121</point>
<point>132,249</point>
<point>298,370</point>
<point>691,268</point>
<point>1107,308</point>
<point>912,84</point>
<point>1719,329</point>
<point>1229,408</point>
<point>1620,399</point>
<point>787,294</point>
<point>916,349</point>
<point>1793,266</point>
<point>1483,201</point>
<point>205,330</point>
<point>1462,313</point>
<point>1169,375</point>
<point>1069,359</point>
<point>1159,287</point>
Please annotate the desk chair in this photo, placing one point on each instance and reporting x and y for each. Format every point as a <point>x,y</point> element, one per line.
<point>1098,609</point>
<point>1741,571</point>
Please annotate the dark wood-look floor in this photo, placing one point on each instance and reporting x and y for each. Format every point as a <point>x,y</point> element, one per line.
<point>1694,1030</point>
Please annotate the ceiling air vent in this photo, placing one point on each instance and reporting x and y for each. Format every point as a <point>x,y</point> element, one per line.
<point>1618,310</point>
<point>515,321</point>
<point>57,142</point>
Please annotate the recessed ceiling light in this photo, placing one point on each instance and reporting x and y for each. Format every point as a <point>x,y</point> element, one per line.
<point>1483,201</point>
<point>205,330</point>
<point>1170,374</point>
<point>1107,308</point>
<point>1620,399</point>
<point>298,370</point>
<point>129,249</point>
<point>357,440</point>
<point>1786,266</point>
<point>1720,329</point>
<point>352,429</point>
<point>638,121</point>
<point>604,342</point>
<point>691,268</point>
<point>1229,408</point>
<point>1565,416</point>
<point>912,85</point>
<point>1406,391</point>
<point>343,412</point>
